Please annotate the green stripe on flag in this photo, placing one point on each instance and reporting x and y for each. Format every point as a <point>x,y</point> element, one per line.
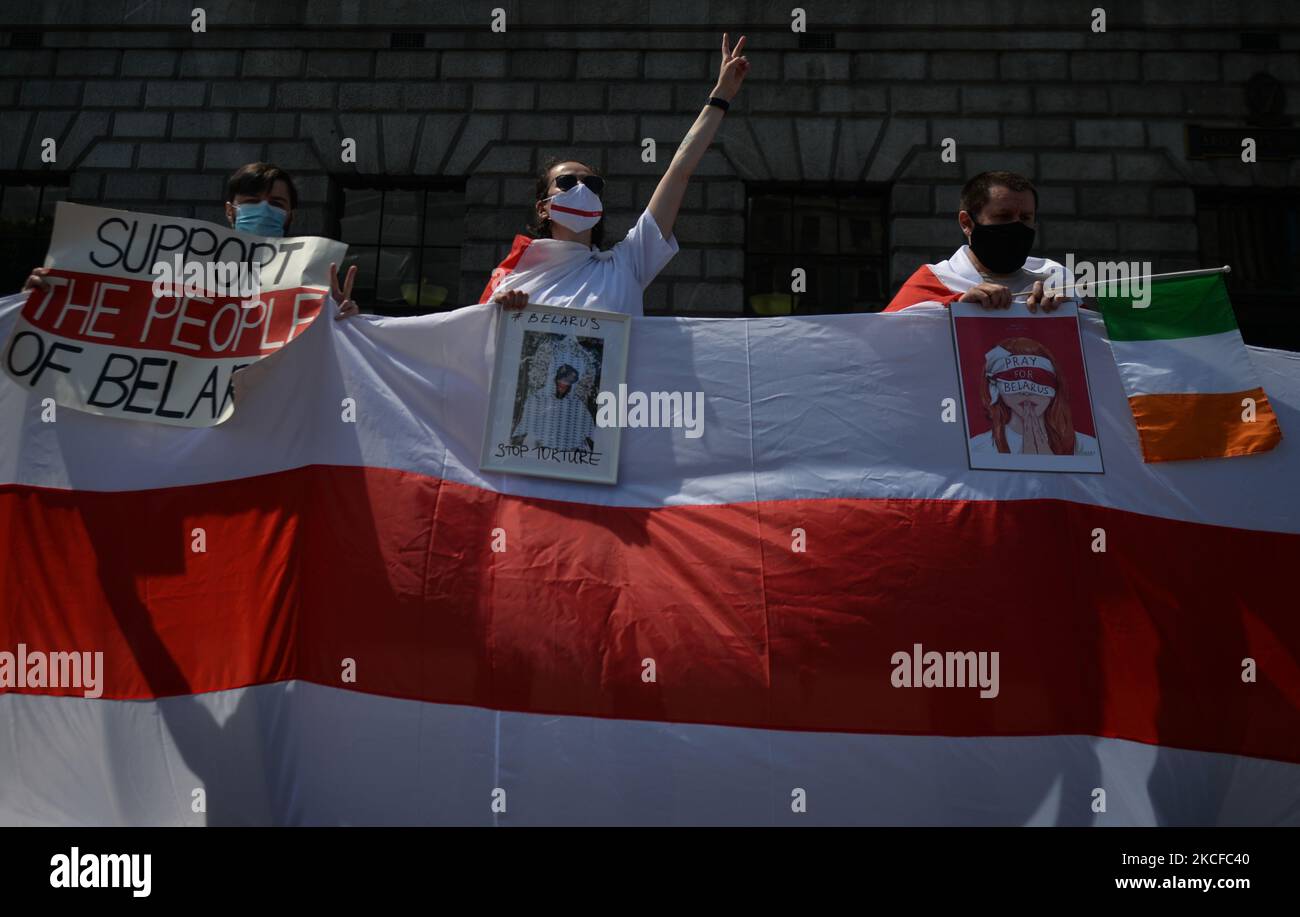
<point>1181,307</point>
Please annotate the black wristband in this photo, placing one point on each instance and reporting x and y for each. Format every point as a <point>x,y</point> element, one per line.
<point>720,103</point>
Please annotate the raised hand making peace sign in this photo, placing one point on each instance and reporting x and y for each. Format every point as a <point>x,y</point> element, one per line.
<point>733,69</point>
<point>343,295</point>
<point>666,202</point>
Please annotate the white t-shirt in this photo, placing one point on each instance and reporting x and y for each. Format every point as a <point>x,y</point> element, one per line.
<point>556,273</point>
<point>937,282</point>
<point>1022,280</point>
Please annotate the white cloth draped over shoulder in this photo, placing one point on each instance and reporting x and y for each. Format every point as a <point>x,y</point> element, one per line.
<point>557,273</point>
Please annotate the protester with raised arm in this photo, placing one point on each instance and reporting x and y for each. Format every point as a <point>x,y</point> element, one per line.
<point>559,262</point>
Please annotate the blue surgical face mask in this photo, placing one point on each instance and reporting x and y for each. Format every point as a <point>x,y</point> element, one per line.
<point>262,218</point>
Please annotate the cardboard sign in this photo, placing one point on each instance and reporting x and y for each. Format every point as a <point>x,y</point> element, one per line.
<point>1025,389</point>
<point>149,317</point>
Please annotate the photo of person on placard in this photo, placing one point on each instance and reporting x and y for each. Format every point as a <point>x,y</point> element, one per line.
<point>553,411</point>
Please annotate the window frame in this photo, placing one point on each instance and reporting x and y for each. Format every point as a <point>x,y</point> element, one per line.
<point>340,185</point>
<point>836,192</point>
<point>1266,316</point>
<point>41,180</point>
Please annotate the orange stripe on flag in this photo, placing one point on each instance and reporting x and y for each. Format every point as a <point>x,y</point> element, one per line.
<point>1195,426</point>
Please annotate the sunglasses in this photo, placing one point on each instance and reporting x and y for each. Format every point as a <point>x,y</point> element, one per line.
<point>568,180</point>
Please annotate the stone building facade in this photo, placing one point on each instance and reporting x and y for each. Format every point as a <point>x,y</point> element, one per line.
<point>149,115</point>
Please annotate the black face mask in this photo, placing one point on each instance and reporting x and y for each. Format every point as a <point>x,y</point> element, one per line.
<point>1002,247</point>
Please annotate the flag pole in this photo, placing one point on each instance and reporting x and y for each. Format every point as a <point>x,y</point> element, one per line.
<point>1201,272</point>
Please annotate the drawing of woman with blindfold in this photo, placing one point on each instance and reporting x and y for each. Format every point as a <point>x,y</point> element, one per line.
<point>1027,402</point>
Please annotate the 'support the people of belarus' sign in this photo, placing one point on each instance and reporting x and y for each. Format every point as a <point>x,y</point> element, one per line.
<point>149,317</point>
<point>1025,389</point>
<point>551,364</point>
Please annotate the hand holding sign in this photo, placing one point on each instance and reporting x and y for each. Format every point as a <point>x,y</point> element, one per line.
<point>989,295</point>
<point>511,299</point>
<point>36,280</point>
<point>1049,301</point>
<point>347,307</point>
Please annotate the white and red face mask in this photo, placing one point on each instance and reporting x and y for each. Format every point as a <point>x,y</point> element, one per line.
<point>577,209</point>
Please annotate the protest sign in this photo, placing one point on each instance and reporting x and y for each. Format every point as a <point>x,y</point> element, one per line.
<point>149,317</point>
<point>552,365</point>
<point>1025,391</point>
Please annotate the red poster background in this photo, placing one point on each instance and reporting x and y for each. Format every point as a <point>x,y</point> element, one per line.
<point>976,336</point>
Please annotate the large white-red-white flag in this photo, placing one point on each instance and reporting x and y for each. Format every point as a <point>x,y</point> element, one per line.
<point>321,611</point>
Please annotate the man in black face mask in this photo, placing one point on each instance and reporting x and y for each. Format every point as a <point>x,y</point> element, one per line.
<point>999,212</point>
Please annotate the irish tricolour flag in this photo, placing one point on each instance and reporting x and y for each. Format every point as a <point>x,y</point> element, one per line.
<point>1186,371</point>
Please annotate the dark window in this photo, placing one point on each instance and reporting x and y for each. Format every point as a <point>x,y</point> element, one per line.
<point>406,40</point>
<point>1257,233</point>
<point>26,220</point>
<point>817,41</point>
<point>1260,41</point>
<point>835,233</point>
<point>405,240</point>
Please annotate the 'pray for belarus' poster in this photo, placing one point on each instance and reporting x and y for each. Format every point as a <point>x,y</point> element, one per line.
<point>1025,389</point>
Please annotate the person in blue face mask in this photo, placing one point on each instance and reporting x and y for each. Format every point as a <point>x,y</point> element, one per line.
<point>260,199</point>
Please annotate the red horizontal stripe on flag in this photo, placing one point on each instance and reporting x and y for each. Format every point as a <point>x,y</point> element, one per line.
<point>306,569</point>
<point>221,328</point>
